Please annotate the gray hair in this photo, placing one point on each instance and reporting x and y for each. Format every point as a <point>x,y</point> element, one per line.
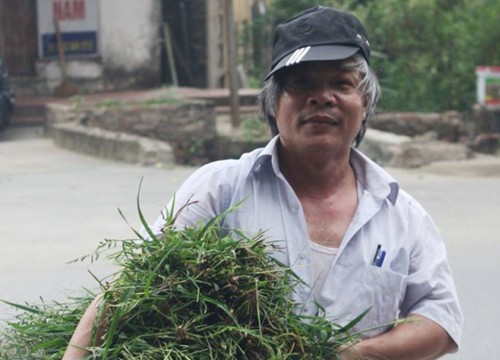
<point>369,87</point>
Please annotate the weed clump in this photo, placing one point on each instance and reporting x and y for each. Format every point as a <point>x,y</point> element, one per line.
<point>202,292</point>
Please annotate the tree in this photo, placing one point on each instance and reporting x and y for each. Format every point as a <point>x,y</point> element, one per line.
<point>424,51</point>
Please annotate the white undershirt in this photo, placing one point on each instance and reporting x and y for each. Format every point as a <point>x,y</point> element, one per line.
<point>322,258</point>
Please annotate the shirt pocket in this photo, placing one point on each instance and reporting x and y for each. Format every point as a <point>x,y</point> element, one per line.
<point>381,290</point>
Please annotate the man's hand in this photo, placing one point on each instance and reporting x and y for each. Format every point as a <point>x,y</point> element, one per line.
<point>416,338</point>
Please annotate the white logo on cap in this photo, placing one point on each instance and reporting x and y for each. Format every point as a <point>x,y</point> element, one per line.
<point>298,55</point>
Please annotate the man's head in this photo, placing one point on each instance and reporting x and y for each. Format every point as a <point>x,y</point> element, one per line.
<point>319,34</point>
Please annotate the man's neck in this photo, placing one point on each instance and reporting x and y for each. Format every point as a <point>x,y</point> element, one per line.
<point>326,189</point>
<point>317,177</point>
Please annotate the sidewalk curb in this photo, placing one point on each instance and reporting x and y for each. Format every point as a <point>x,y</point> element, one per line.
<point>111,145</point>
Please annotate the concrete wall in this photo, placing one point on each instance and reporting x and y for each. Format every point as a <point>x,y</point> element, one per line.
<point>130,43</point>
<point>129,51</point>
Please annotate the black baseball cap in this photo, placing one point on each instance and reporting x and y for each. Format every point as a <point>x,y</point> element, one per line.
<point>316,34</point>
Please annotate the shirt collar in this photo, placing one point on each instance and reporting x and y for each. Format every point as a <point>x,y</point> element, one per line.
<point>371,176</point>
<point>268,153</point>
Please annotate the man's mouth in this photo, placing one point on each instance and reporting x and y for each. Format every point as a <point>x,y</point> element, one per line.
<point>320,120</point>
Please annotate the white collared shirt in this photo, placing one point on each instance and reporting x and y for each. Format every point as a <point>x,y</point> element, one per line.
<point>414,276</point>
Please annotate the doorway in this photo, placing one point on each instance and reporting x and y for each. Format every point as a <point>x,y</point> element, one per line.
<point>18,36</point>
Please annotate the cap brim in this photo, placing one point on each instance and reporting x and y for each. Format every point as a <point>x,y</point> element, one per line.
<point>314,53</point>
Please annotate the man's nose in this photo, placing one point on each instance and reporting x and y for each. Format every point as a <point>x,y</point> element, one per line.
<point>322,95</point>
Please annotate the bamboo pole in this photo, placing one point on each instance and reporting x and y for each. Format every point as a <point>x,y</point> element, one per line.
<point>231,71</point>
<point>170,53</point>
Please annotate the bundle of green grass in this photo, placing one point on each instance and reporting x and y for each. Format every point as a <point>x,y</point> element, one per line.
<point>187,294</point>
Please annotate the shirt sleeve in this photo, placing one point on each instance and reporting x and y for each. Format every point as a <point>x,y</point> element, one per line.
<point>203,196</point>
<point>430,290</point>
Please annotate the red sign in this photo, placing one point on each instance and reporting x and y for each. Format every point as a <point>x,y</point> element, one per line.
<point>68,10</point>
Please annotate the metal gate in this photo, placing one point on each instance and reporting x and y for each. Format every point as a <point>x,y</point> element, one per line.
<point>18,36</point>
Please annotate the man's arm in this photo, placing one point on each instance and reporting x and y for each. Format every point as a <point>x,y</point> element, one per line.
<point>416,338</point>
<point>82,337</point>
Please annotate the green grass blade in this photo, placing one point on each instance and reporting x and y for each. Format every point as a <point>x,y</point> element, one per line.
<point>353,322</point>
<point>23,307</point>
<point>141,215</point>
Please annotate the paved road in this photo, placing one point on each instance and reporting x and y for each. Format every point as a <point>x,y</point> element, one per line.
<point>57,205</point>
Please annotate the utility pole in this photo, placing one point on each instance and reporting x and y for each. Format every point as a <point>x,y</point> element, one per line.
<point>232,75</point>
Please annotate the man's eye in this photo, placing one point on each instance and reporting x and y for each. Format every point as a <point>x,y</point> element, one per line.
<point>298,84</point>
<point>344,85</point>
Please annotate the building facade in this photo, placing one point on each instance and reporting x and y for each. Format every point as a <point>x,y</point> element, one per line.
<point>102,45</point>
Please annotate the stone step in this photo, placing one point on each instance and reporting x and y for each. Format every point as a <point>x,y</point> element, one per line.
<point>111,145</point>
<point>27,110</point>
<point>30,110</point>
<point>17,120</point>
<point>28,86</point>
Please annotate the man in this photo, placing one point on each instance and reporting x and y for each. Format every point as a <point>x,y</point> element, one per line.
<point>342,223</point>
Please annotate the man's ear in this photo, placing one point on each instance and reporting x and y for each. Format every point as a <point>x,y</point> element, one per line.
<point>366,102</point>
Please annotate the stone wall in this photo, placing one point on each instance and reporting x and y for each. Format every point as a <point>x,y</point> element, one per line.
<point>196,136</point>
<point>189,127</point>
<point>481,134</point>
<point>409,140</point>
<point>448,126</point>
<point>487,129</point>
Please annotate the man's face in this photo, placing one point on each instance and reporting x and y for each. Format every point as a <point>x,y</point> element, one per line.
<point>320,108</point>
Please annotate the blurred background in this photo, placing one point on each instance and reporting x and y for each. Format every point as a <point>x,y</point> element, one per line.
<point>425,52</point>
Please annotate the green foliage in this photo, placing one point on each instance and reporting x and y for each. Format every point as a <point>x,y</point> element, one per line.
<point>428,50</point>
<point>424,51</point>
<point>254,128</point>
<point>76,102</point>
<point>168,97</point>
<point>110,104</point>
<point>284,9</point>
<point>42,332</point>
<point>204,292</point>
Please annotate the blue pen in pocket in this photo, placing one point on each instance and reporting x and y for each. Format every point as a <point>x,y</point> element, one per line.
<point>379,257</point>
